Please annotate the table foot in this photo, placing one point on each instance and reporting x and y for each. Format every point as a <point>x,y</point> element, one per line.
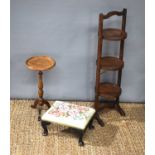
<point>99,120</point>
<point>39,118</point>
<point>46,103</point>
<point>34,106</point>
<point>90,125</point>
<point>44,126</point>
<point>38,103</point>
<point>119,109</point>
<point>112,105</point>
<point>81,143</point>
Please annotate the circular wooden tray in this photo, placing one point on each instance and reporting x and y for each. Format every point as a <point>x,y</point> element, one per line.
<point>114,34</point>
<point>111,63</point>
<point>40,63</point>
<point>109,90</point>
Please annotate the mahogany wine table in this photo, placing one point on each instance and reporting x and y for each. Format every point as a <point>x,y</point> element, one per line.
<point>40,64</point>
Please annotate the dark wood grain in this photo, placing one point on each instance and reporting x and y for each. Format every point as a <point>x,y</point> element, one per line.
<point>40,84</point>
<point>114,34</point>
<point>113,13</point>
<point>109,90</point>
<point>111,63</point>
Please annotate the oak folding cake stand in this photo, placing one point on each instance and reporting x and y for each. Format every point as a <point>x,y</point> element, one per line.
<point>109,91</point>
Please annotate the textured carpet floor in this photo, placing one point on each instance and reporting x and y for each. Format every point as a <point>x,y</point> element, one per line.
<point>119,136</point>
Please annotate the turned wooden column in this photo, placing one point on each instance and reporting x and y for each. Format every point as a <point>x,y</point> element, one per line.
<point>40,85</point>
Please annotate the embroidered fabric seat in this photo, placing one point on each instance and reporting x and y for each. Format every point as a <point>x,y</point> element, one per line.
<point>68,114</point>
<point>71,115</point>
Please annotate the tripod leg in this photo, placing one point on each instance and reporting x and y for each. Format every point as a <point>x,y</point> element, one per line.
<point>35,104</point>
<point>46,103</point>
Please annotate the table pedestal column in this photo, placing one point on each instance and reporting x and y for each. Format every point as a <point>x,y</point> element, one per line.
<point>40,101</point>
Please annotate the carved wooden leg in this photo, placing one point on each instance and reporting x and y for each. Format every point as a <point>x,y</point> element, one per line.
<point>99,120</point>
<point>35,104</point>
<point>96,101</point>
<point>118,108</point>
<point>81,143</point>
<point>44,126</point>
<point>46,103</point>
<point>39,114</point>
<point>90,125</point>
<point>97,117</point>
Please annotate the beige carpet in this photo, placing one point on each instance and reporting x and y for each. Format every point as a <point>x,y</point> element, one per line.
<point>119,136</point>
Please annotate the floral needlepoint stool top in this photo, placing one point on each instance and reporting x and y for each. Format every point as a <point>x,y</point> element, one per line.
<point>69,114</point>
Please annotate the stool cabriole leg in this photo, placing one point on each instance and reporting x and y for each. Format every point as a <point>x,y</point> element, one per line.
<point>39,114</point>
<point>44,126</point>
<point>90,125</point>
<point>81,133</point>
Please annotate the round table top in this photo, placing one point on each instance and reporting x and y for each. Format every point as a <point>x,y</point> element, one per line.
<point>40,63</point>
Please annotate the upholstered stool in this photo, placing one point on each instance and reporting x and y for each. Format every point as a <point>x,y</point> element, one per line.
<point>40,64</point>
<point>71,115</point>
